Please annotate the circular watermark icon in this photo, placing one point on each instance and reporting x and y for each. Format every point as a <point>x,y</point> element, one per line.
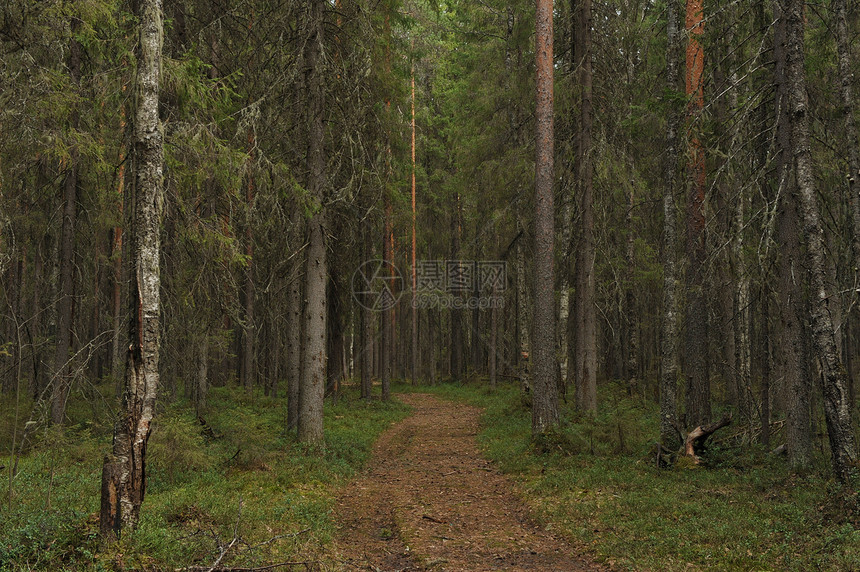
<point>377,285</point>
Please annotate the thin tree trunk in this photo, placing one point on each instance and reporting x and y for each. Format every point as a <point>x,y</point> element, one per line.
<point>669,343</point>
<point>834,379</point>
<point>766,369</point>
<point>246,368</point>
<point>201,383</point>
<point>457,337</point>
<point>414,362</point>
<point>545,415</point>
<point>585,332</point>
<point>65,305</point>
<point>846,97</point>
<point>294,344</point>
<point>367,337</point>
<point>124,472</point>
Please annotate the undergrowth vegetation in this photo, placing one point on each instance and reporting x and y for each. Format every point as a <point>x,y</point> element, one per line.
<point>239,476</point>
<point>597,483</point>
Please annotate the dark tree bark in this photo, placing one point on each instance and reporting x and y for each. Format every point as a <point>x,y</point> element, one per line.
<point>545,415</point>
<point>125,471</point>
<point>386,356</point>
<point>834,378</point>
<point>458,360</point>
<point>793,363</point>
<point>585,329</point>
<point>367,337</point>
<point>294,343</point>
<point>846,99</point>
<point>669,341</point>
<point>65,304</point>
<point>313,378</point>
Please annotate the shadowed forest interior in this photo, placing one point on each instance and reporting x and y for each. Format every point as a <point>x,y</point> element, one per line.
<point>237,235</point>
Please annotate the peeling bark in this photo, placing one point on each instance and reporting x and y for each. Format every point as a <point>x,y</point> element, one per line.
<point>133,427</point>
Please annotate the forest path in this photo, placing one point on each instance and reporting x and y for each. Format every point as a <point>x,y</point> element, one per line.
<point>430,501</point>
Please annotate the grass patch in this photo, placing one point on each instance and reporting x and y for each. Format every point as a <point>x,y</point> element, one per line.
<point>250,478</point>
<point>598,485</point>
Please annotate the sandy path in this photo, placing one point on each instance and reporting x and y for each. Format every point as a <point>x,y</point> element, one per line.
<point>429,501</point>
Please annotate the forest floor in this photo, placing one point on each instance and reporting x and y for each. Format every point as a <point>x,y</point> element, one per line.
<point>428,500</point>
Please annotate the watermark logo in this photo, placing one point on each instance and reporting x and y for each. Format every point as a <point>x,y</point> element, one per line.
<point>377,285</point>
<point>445,284</point>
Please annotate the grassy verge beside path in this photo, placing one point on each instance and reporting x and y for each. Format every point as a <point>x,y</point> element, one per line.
<point>744,511</point>
<point>243,476</point>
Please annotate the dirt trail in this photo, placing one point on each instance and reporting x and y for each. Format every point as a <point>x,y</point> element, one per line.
<point>429,501</point>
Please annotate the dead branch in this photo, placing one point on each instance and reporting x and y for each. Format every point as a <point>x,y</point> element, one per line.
<point>695,440</point>
<point>307,566</point>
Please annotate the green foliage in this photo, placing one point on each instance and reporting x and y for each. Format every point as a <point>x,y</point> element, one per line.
<point>199,489</point>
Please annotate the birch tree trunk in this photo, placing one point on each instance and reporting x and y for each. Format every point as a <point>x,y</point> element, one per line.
<point>124,473</point>
<point>834,378</point>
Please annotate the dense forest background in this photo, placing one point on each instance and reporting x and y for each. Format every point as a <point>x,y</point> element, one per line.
<point>304,139</point>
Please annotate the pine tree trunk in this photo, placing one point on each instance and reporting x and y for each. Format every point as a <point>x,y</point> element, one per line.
<point>834,378</point>
<point>669,342</point>
<point>545,416</point>
<point>125,471</point>
<point>698,396</point>
<point>585,333</point>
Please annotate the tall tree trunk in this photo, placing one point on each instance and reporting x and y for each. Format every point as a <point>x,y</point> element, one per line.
<point>793,363</point>
<point>249,330</point>
<point>846,93</point>
<point>545,415</point>
<point>386,357</point>
<point>669,342</point>
<point>65,305</point>
<point>834,379</point>
<point>124,473</point>
<point>367,337</point>
<point>457,337</point>
<point>313,378</point>
<point>523,304</point>
<point>585,333</point>
<point>698,397</point>
<point>631,323</point>
<point>414,362</point>
<point>846,99</point>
